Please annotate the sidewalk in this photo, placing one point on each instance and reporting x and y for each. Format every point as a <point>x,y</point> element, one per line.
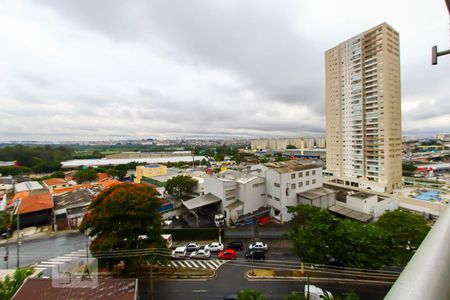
<point>36,236</point>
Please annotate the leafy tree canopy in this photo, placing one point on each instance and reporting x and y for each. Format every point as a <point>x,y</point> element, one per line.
<point>180,185</point>
<point>85,175</point>
<point>407,231</point>
<point>318,237</point>
<point>124,217</point>
<point>10,285</point>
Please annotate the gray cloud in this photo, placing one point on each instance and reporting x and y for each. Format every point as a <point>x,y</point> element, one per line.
<point>108,68</point>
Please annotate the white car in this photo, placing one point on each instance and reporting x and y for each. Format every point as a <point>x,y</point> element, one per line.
<point>192,247</point>
<point>202,254</point>
<point>259,246</point>
<point>316,293</point>
<point>179,253</point>
<point>214,247</point>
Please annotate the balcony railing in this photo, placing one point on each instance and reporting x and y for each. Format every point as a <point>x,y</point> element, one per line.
<point>427,275</point>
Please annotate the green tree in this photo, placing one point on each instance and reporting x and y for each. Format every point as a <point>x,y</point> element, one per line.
<point>291,147</point>
<point>312,232</point>
<point>180,185</point>
<point>124,218</point>
<point>318,237</point>
<point>85,175</point>
<point>360,245</point>
<point>406,230</point>
<point>4,221</point>
<point>9,286</point>
<point>58,174</point>
<point>250,294</point>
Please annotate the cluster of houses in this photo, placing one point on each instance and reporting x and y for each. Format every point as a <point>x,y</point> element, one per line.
<point>239,195</point>
<point>60,202</point>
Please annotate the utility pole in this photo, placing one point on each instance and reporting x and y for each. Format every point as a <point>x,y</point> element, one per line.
<point>18,236</point>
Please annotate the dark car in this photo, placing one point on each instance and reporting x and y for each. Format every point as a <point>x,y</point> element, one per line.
<point>255,254</point>
<point>235,245</point>
<point>230,297</point>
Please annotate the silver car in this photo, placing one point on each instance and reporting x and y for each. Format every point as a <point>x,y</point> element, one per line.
<point>201,254</point>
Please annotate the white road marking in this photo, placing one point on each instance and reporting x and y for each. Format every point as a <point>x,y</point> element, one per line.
<point>202,265</point>
<point>199,291</point>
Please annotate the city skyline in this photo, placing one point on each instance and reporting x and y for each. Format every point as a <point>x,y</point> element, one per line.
<point>79,71</point>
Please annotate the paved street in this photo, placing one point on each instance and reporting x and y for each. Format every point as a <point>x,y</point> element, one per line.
<point>34,251</point>
<point>230,279</point>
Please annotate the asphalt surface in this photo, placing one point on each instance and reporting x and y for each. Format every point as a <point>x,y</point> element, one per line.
<point>34,251</point>
<point>230,279</point>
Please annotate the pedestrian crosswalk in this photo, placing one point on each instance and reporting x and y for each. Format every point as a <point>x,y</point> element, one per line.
<point>196,264</point>
<point>60,260</point>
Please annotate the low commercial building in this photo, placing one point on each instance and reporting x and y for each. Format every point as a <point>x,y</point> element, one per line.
<point>319,197</point>
<point>27,186</point>
<point>55,183</point>
<point>150,170</point>
<point>70,207</point>
<point>363,206</point>
<point>6,185</point>
<point>35,210</point>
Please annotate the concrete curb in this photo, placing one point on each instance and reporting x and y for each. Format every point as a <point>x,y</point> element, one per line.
<point>250,277</point>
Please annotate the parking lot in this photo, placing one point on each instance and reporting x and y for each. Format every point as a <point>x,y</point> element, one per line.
<point>277,250</point>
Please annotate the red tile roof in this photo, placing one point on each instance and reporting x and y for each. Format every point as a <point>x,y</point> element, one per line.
<point>71,188</point>
<point>106,288</point>
<point>21,195</point>
<point>102,176</point>
<point>35,202</point>
<point>54,181</point>
<point>109,183</point>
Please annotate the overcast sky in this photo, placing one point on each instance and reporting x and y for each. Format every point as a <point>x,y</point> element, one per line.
<point>107,69</point>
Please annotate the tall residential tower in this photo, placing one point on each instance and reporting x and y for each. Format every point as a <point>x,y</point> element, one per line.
<point>363,114</point>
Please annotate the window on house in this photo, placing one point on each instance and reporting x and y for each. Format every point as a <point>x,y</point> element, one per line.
<point>293,176</point>
<point>269,196</point>
<point>293,186</point>
<point>313,181</point>
<point>307,173</point>
<point>276,184</point>
<point>276,199</point>
<point>300,174</point>
<point>307,182</point>
<point>313,172</point>
<point>300,184</point>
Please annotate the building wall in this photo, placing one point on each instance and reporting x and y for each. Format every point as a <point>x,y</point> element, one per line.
<point>143,171</point>
<point>280,191</point>
<point>362,205</point>
<point>363,110</point>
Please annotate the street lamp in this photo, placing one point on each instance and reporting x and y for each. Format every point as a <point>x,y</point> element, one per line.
<point>434,51</point>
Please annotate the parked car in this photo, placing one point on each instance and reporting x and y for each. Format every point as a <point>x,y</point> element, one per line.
<point>259,246</point>
<point>255,254</point>
<point>227,254</point>
<point>179,253</point>
<point>192,247</point>
<point>230,296</point>
<point>264,220</point>
<point>201,254</point>
<point>235,245</point>
<point>316,293</point>
<point>214,247</point>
